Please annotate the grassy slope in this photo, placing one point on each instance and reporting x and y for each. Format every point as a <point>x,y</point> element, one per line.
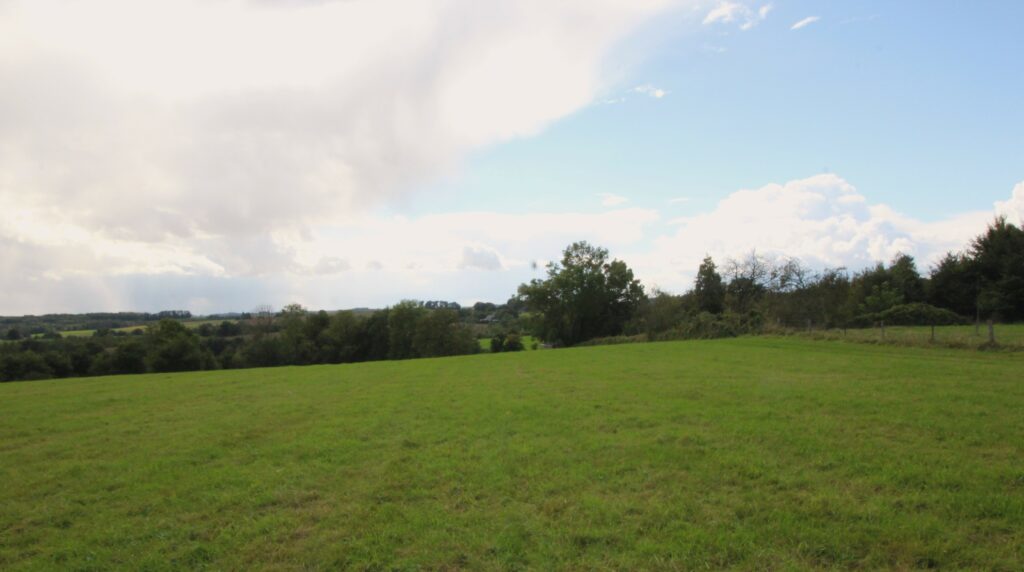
<point>733,453</point>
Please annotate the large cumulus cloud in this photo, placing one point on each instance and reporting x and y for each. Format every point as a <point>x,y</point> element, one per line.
<point>823,220</point>
<point>202,127</point>
<point>218,154</point>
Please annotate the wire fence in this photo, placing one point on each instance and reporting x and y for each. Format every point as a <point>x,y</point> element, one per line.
<point>982,335</point>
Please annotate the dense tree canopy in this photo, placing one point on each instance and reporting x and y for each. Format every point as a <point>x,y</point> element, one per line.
<point>293,336</point>
<point>585,296</point>
<point>998,260</point>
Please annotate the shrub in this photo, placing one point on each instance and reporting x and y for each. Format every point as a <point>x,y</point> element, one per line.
<point>26,365</point>
<point>497,343</point>
<point>512,343</point>
<point>706,326</point>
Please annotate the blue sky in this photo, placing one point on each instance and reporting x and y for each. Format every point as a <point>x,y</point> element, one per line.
<point>354,153</point>
<point>919,104</point>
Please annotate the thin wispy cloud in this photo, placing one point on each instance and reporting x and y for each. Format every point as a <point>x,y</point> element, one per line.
<point>726,12</point>
<point>805,22</point>
<point>678,200</point>
<point>612,200</point>
<point>650,91</point>
<point>646,89</point>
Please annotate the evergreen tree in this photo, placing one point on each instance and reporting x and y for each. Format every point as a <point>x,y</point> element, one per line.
<point>708,288</point>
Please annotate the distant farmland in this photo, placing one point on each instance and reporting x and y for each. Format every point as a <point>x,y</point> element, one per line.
<point>750,453</point>
<point>129,329</point>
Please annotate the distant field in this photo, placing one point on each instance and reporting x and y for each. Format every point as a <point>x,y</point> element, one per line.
<point>87,333</point>
<point>129,329</point>
<point>750,453</point>
<point>1011,335</point>
<point>485,343</point>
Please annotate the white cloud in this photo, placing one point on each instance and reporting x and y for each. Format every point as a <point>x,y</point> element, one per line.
<point>350,104</point>
<point>311,110</point>
<point>612,200</point>
<point>805,22</point>
<point>644,89</point>
<point>728,12</point>
<point>199,138</point>
<point>1013,209</point>
<point>724,12</point>
<point>823,220</point>
<point>480,258</point>
<point>372,259</point>
<point>376,259</point>
<point>147,163</point>
<point>650,91</point>
<point>678,200</point>
<point>331,265</point>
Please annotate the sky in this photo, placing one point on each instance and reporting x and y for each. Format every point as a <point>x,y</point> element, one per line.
<point>217,155</point>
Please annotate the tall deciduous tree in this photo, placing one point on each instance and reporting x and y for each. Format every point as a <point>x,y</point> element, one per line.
<point>905,278</point>
<point>998,256</point>
<point>585,296</point>
<point>173,347</point>
<point>402,321</point>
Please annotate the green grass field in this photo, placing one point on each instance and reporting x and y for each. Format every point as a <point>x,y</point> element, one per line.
<point>751,453</point>
<point>87,333</point>
<point>128,329</point>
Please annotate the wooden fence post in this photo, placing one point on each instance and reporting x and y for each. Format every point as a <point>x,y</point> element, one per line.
<point>991,333</point>
<point>882,324</point>
<point>933,334</point>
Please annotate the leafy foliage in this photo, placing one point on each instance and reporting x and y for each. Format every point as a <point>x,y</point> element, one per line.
<point>585,296</point>
<point>998,260</point>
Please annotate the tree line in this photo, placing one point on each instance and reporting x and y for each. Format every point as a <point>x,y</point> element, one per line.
<point>50,324</point>
<point>293,336</point>
<point>586,297</point>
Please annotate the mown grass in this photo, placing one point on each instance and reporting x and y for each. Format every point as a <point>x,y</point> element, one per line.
<point>751,453</point>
